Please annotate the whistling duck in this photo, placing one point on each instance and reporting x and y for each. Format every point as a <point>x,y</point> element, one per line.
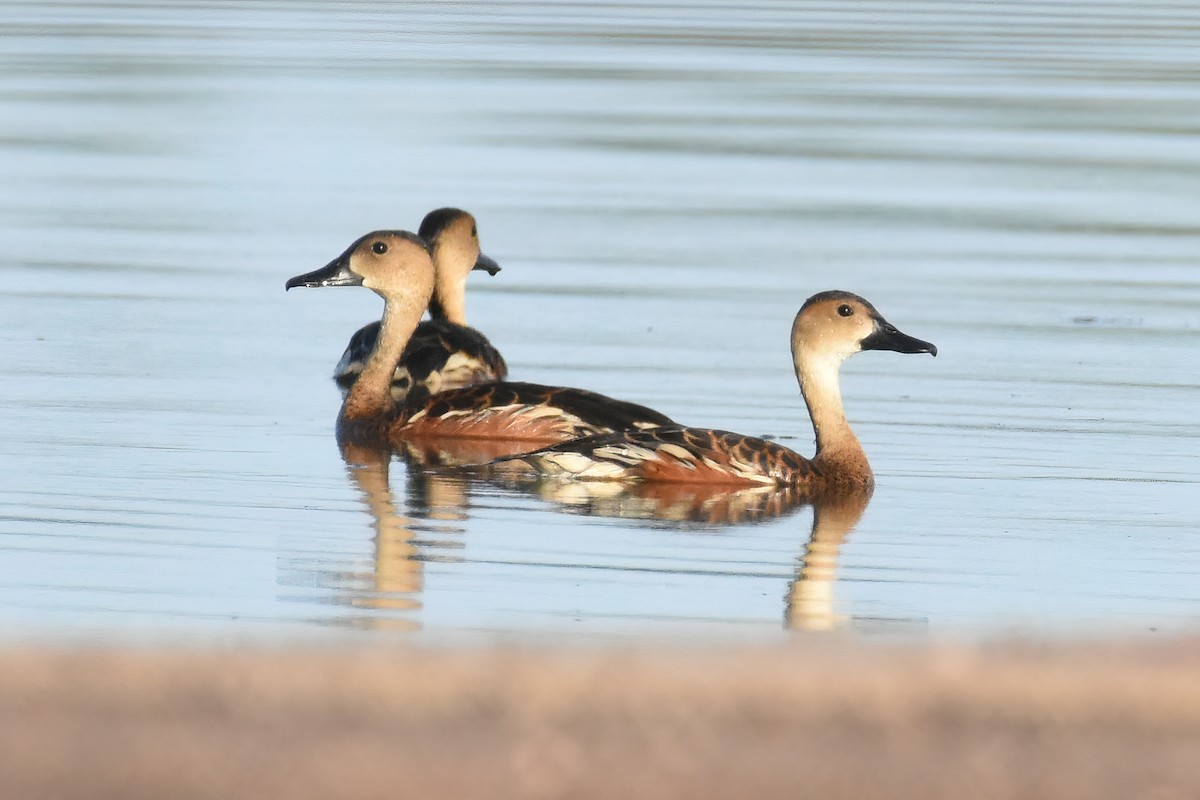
<point>397,266</point>
<point>444,352</point>
<point>830,327</point>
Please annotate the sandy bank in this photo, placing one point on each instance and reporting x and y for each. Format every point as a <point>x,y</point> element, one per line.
<point>807,720</point>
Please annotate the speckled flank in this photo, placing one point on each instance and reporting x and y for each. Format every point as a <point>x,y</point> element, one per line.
<point>677,455</point>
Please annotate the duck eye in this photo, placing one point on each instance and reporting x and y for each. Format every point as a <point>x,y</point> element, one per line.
<point>474,232</point>
<point>845,310</point>
<point>379,248</point>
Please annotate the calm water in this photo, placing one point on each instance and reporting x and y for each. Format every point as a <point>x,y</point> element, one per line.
<point>664,185</point>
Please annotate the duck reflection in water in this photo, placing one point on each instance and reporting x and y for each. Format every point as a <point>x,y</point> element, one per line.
<point>397,580</point>
<point>443,496</point>
<point>809,605</point>
<point>810,600</point>
<point>704,504</point>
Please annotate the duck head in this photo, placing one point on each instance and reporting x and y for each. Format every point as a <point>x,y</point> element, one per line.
<point>835,325</point>
<point>390,263</point>
<point>453,237</point>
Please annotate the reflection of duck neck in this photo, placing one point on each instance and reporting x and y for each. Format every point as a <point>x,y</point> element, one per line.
<point>810,598</point>
<point>398,571</point>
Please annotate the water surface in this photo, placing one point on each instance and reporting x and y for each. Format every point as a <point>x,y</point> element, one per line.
<point>664,185</point>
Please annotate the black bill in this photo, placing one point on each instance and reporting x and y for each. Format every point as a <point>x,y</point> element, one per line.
<point>887,337</point>
<point>486,264</point>
<point>335,273</point>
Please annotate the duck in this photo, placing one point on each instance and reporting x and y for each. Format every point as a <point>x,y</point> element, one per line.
<point>398,266</point>
<point>829,328</point>
<point>444,352</point>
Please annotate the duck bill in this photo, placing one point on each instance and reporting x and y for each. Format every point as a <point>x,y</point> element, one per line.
<point>486,264</point>
<point>887,337</point>
<point>335,273</point>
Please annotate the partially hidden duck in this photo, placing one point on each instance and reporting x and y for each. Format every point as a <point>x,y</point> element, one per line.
<point>397,265</point>
<point>830,327</point>
<point>443,352</point>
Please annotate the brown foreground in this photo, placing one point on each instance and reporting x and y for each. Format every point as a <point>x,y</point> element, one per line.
<point>806,720</point>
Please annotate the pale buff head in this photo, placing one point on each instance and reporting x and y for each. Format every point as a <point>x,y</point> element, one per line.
<point>453,238</point>
<point>393,264</point>
<point>832,326</point>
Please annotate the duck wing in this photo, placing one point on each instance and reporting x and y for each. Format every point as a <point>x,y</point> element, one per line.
<point>525,411</point>
<point>440,355</point>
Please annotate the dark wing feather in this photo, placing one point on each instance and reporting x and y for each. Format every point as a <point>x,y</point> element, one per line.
<point>436,341</point>
<point>522,411</point>
<point>355,355</point>
<point>599,411</point>
<point>423,365</point>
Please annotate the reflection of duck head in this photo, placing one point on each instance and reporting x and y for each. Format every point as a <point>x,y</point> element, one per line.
<point>810,598</point>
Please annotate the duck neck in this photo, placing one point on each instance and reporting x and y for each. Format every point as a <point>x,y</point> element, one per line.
<point>839,456</point>
<point>449,300</point>
<point>371,396</point>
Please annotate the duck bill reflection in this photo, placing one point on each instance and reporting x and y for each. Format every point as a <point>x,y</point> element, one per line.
<point>486,264</point>
<point>335,273</point>
<point>887,337</point>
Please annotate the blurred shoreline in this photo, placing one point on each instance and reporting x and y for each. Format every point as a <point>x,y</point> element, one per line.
<point>812,717</point>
